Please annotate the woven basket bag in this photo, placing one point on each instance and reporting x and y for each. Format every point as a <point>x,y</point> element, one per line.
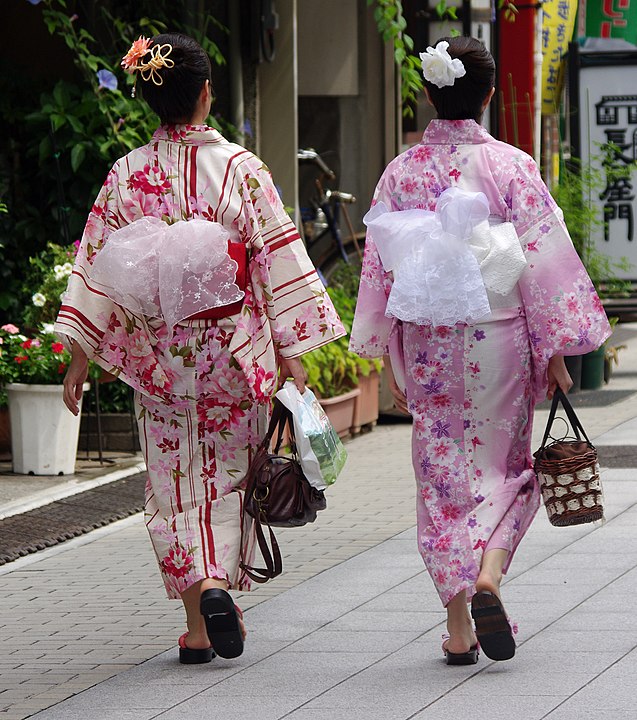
<point>568,472</point>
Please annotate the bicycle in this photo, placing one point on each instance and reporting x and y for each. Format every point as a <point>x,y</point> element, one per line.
<point>321,220</point>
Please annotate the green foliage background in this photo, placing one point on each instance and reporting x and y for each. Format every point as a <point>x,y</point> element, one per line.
<point>62,132</point>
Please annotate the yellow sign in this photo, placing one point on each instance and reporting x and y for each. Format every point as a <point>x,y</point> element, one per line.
<point>558,22</point>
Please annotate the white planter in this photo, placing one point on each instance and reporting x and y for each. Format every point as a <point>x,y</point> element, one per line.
<point>44,433</point>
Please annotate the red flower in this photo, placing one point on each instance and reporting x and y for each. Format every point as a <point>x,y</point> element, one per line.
<point>61,368</point>
<point>57,347</point>
<point>21,358</point>
<point>26,344</point>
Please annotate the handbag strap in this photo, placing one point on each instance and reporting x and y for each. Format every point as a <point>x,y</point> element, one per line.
<point>280,416</point>
<point>273,561</point>
<point>560,397</point>
<point>272,558</point>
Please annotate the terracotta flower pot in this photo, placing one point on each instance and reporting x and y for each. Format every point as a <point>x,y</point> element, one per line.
<point>367,403</point>
<point>340,411</point>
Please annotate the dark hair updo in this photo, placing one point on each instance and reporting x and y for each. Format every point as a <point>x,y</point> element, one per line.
<point>176,98</point>
<point>464,99</point>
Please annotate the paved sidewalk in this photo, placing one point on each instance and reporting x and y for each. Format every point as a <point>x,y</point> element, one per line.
<point>352,627</point>
<point>362,639</point>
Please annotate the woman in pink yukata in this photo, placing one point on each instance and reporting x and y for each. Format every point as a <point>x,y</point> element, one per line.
<point>193,286</point>
<point>473,292</point>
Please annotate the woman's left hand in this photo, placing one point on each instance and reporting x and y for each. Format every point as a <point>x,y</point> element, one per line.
<point>558,376</point>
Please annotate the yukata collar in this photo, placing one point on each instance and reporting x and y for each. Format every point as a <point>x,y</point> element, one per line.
<point>455,132</point>
<point>188,134</point>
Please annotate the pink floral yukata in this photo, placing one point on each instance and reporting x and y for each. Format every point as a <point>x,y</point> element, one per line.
<point>202,390</point>
<point>471,389</point>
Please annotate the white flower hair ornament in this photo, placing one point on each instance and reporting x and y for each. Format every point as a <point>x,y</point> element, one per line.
<point>439,68</point>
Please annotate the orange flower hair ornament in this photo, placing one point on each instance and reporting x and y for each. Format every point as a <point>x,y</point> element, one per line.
<point>133,62</point>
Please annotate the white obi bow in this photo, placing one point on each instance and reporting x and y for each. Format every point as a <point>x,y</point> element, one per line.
<point>169,271</point>
<point>444,262</point>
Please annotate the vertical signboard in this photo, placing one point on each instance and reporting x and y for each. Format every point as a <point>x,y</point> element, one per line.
<point>603,97</point>
<point>611,19</point>
<point>558,22</point>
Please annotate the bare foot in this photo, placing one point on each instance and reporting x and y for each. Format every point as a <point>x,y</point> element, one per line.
<point>489,581</point>
<point>242,625</point>
<point>197,641</point>
<point>461,636</point>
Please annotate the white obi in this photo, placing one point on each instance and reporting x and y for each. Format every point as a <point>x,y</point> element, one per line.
<point>168,271</point>
<point>444,262</point>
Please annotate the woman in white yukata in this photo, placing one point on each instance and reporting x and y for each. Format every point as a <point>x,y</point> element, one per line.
<point>473,292</point>
<point>193,286</point>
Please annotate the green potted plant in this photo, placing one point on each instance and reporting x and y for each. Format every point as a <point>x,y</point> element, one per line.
<point>346,385</point>
<point>44,433</point>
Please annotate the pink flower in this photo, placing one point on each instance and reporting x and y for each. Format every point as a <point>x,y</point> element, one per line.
<point>410,186</point>
<point>11,329</point>
<point>178,562</point>
<point>139,204</point>
<point>136,52</point>
<point>450,512</point>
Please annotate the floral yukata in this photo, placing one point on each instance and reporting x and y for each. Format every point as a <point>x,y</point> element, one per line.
<point>471,389</point>
<point>203,388</point>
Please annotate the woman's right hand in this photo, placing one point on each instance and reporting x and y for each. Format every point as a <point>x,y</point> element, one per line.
<point>75,377</point>
<point>292,368</point>
<point>558,376</point>
<point>400,399</point>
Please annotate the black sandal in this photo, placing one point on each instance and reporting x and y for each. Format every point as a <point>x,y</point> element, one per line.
<point>493,629</point>
<point>466,658</point>
<point>191,656</point>
<point>222,622</point>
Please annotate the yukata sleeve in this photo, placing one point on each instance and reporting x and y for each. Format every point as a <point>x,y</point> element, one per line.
<point>85,312</point>
<point>563,312</point>
<point>371,327</point>
<point>286,285</point>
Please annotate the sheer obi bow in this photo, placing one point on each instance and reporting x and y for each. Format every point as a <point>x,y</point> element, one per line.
<point>444,262</point>
<point>169,271</point>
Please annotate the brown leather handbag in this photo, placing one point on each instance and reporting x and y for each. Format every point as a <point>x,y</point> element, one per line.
<point>277,494</point>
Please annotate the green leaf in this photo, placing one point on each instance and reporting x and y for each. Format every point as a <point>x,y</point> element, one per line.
<point>78,153</point>
<point>44,149</point>
<point>57,120</point>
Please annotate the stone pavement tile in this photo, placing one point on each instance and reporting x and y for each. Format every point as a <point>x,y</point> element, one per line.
<point>209,705</point>
<point>566,712</point>
<point>151,694</point>
<point>384,712</point>
<point>326,640</point>
<point>166,669</point>
<point>387,621</point>
<point>61,712</point>
<point>624,434</point>
<point>395,600</point>
<point>291,674</point>
<point>555,639</point>
<point>562,674</point>
<point>611,691</point>
<point>451,707</point>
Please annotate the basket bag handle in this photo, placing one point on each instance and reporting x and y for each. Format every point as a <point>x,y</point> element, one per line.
<point>560,397</point>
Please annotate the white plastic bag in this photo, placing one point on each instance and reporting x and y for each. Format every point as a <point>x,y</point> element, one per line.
<point>321,452</point>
